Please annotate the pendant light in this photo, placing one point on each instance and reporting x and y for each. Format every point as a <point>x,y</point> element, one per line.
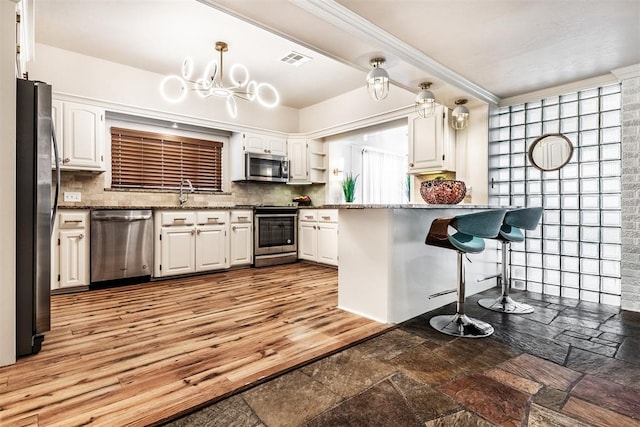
<point>460,115</point>
<point>378,80</point>
<point>425,101</point>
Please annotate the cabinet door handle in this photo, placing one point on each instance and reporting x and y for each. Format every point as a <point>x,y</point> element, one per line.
<point>233,228</point>
<point>309,216</point>
<point>72,220</point>
<point>193,232</point>
<point>326,218</point>
<point>410,165</point>
<point>179,219</point>
<point>66,160</point>
<point>243,217</point>
<point>199,231</point>
<point>81,236</point>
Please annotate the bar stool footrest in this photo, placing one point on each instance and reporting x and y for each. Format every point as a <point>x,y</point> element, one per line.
<point>505,304</point>
<point>461,325</point>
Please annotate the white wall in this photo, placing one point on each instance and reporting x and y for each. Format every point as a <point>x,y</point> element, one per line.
<point>351,107</point>
<point>7,182</point>
<point>85,76</point>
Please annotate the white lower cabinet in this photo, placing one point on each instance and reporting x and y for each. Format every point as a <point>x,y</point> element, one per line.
<point>327,243</point>
<point>318,235</point>
<point>199,241</point>
<point>241,241</point>
<point>212,244</point>
<point>70,250</point>
<point>178,250</point>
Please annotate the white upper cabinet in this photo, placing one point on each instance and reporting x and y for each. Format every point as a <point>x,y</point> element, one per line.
<point>256,143</point>
<point>431,143</point>
<point>306,161</point>
<point>80,133</point>
<point>298,154</point>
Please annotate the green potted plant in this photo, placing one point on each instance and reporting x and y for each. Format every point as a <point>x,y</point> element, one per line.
<point>349,187</point>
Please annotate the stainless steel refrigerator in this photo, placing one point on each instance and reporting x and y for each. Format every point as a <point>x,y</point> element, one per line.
<point>34,214</point>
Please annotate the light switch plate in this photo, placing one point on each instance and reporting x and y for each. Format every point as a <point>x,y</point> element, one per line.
<point>72,196</point>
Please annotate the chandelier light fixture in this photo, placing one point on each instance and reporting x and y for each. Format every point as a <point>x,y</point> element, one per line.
<point>378,80</point>
<point>460,115</point>
<point>425,101</point>
<point>174,88</point>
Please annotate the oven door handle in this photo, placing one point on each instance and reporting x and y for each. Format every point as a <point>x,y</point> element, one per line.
<point>276,215</point>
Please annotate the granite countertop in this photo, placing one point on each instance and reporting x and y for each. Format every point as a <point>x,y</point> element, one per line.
<point>406,206</point>
<point>327,206</point>
<point>184,208</point>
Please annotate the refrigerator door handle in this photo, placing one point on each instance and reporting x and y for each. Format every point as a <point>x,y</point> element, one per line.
<point>54,210</point>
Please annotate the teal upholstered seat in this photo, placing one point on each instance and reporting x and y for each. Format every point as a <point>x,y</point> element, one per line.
<point>512,234</point>
<point>467,243</point>
<point>515,221</point>
<point>471,229</point>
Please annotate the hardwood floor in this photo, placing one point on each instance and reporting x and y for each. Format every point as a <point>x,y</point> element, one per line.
<point>137,355</point>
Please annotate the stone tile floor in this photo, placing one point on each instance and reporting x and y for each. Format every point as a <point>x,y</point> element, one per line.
<point>570,363</point>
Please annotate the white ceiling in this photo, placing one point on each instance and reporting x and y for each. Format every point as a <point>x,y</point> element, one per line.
<point>486,49</point>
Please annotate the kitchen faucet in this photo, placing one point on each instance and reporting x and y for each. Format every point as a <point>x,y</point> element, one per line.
<point>183,197</point>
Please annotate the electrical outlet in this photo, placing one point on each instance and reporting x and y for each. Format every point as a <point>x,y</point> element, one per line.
<point>72,196</point>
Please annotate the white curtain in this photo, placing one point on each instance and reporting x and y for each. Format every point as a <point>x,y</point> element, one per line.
<point>384,177</point>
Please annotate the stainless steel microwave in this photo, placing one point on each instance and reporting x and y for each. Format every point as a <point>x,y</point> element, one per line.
<point>266,167</point>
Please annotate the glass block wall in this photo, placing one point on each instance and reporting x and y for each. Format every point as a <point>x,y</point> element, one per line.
<point>576,250</point>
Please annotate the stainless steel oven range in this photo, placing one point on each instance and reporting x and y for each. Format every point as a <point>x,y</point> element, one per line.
<point>276,235</point>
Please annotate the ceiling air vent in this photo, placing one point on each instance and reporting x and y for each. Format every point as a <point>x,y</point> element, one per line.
<point>294,58</point>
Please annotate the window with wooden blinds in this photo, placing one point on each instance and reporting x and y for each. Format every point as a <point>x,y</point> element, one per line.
<point>149,160</point>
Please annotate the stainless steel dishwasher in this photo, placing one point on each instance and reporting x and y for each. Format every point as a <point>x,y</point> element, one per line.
<point>121,244</point>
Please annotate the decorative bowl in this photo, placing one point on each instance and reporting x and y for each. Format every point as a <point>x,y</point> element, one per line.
<point>443,191</point>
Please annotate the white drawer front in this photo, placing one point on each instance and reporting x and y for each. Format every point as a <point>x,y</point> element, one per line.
<point>212,217</point>
<point>327,215</point>
<point>241,216</point>
<point>178,218</point>
<point>73,220</point>
<point>306,215</point>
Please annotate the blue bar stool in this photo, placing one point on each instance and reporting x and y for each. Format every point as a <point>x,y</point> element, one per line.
<point>511,231</point>
<point>470,231</point>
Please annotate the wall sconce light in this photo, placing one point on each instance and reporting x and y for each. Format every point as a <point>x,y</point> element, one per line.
<point>460,115</point>
<point>425,101</point>
<point>378,80</point>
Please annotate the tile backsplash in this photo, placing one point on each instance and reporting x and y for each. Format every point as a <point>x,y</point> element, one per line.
<point>92,188</point>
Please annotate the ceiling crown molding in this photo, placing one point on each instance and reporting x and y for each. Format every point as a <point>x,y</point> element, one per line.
<point>630,72</point>
<point>352,23</point>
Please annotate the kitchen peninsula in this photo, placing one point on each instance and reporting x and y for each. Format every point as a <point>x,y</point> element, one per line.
<point>386,271</point>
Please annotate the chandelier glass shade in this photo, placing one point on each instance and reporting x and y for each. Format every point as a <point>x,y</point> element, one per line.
<point>378,80</point>
<point>174,87</point>
<point>425,101</point>
<point>460,115</point>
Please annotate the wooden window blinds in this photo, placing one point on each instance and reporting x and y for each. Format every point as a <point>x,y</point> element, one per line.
<point>150,160</point>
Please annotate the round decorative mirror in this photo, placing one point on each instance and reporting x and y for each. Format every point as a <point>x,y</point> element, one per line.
<point>550,152</point>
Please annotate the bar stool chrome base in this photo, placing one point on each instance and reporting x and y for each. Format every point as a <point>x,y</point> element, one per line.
<point>505,304</point>
<point>461,325</point>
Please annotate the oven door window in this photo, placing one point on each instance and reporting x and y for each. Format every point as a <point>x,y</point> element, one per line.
<point>265,168</point>
<point>276,231</point>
